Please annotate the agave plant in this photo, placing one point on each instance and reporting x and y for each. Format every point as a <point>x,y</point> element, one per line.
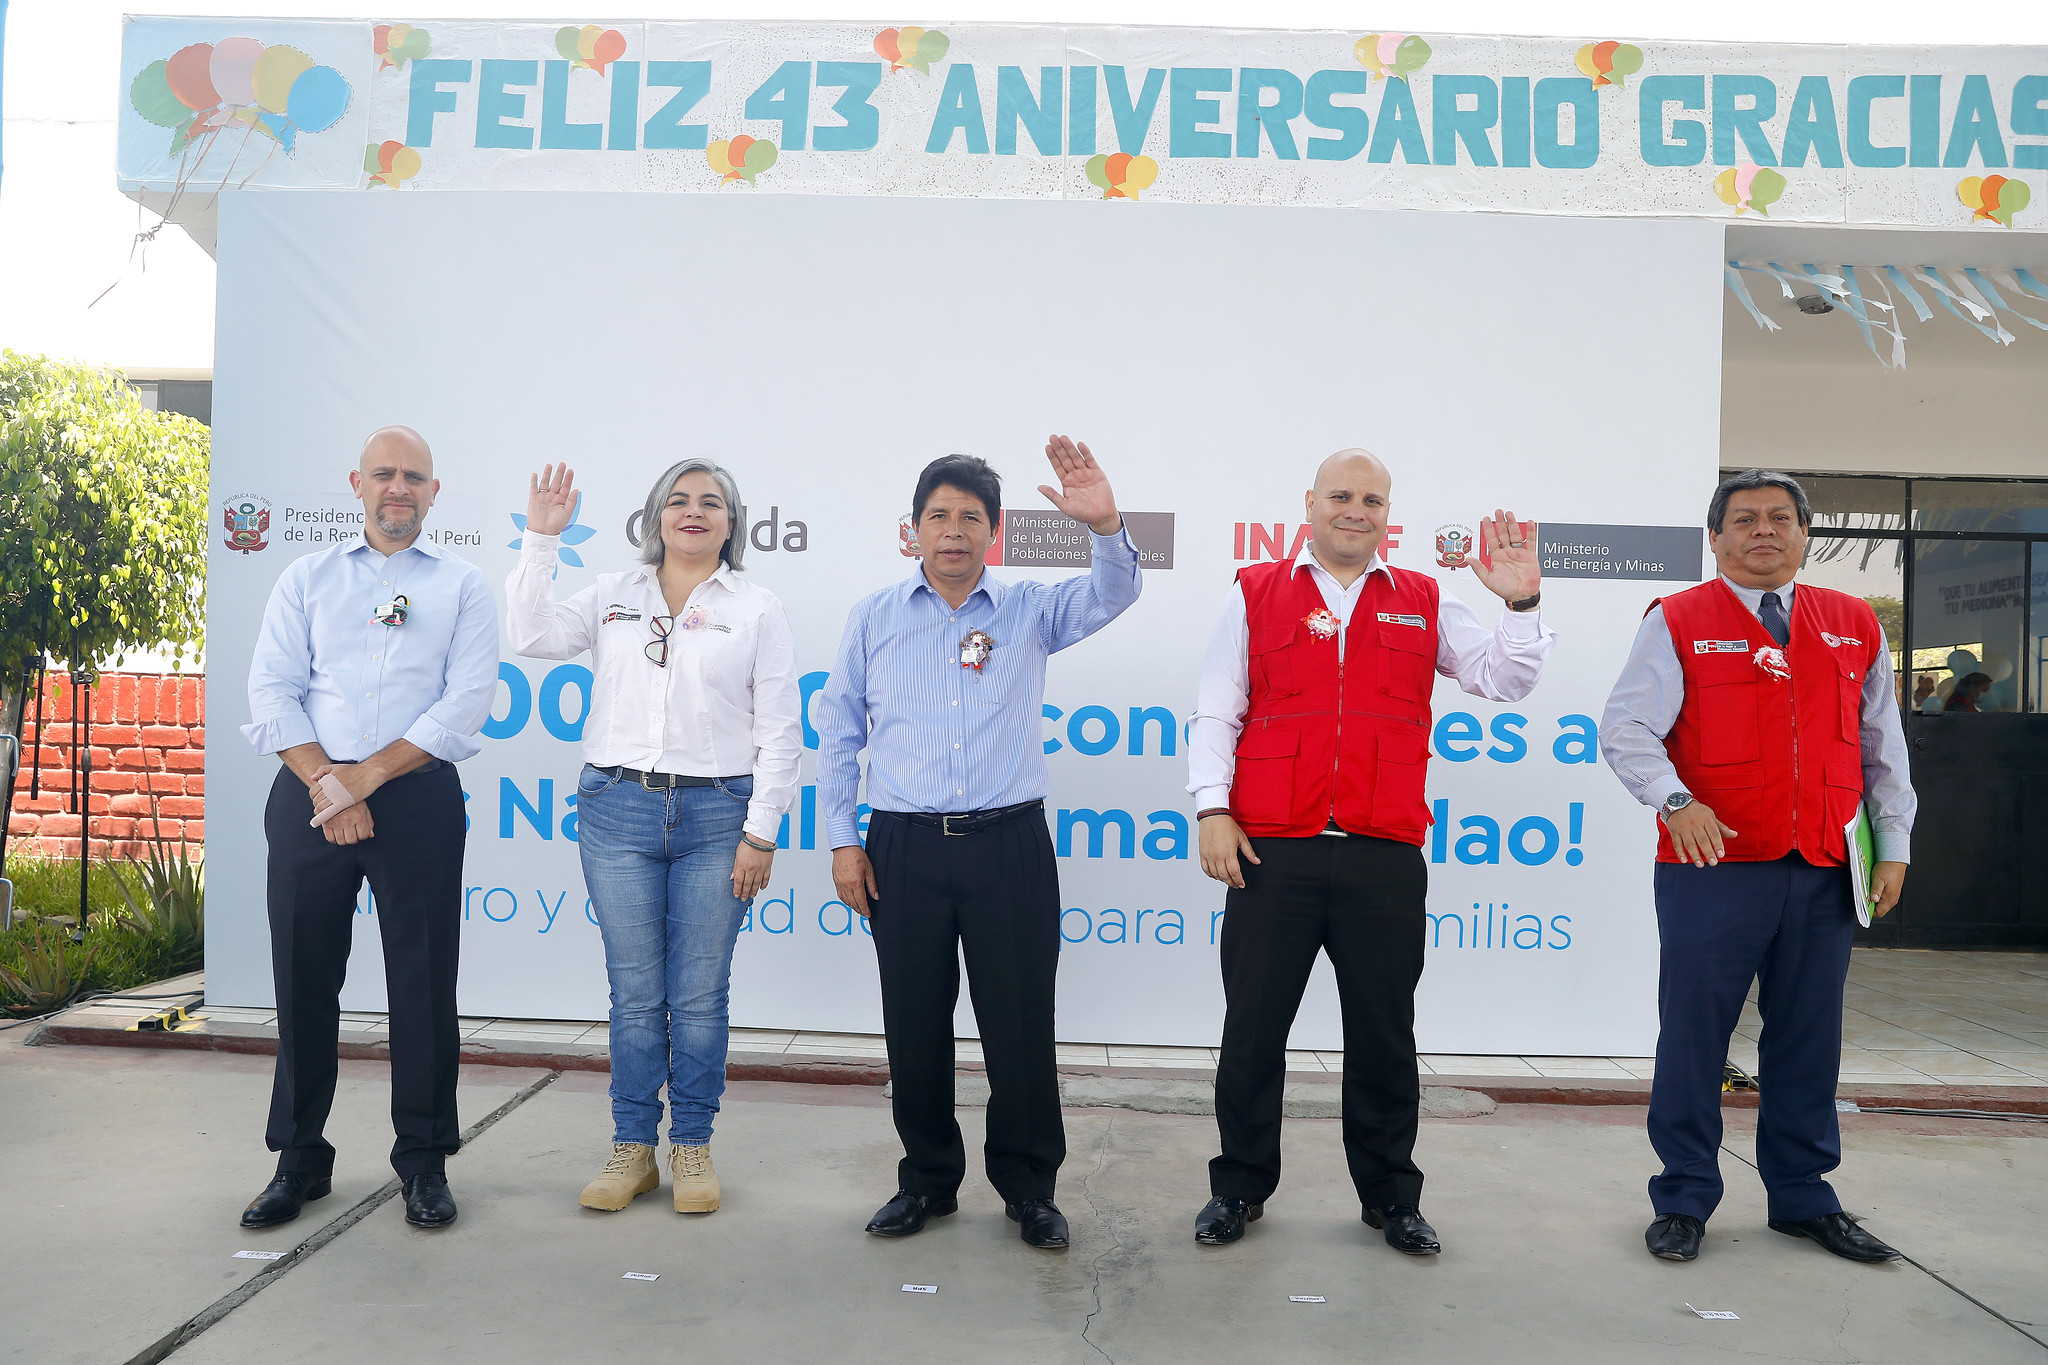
<point>166,894</point>
<point>52,969</point>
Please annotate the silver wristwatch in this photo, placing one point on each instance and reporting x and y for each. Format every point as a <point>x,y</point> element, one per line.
<point>1675,803</point>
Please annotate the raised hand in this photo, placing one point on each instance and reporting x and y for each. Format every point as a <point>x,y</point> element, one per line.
<point>1084,494</point>
<point>551,498</point>
<point>1516,573</point>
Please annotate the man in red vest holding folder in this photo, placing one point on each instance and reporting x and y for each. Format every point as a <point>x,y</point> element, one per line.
<point>1306,759</point>
<point>1756,715</point>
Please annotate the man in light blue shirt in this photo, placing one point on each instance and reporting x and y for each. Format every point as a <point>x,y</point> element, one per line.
<point>941,678</point>
<point>374,671</point>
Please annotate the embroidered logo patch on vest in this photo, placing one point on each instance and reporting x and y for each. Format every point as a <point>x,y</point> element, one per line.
<point>1720,646</point>
<point>1836,641</point>
<point>1396,619</point>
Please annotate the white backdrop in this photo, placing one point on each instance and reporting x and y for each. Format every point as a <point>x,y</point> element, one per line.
<point>825,349</point>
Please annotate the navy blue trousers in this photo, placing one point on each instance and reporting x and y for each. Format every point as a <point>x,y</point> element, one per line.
<point>1786,925</point>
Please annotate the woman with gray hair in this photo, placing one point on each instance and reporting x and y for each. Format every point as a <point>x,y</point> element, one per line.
<point>690,751</point>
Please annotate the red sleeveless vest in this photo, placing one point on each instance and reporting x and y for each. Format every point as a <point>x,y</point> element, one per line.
<point>1778,758</point>
<point>1324,740</point>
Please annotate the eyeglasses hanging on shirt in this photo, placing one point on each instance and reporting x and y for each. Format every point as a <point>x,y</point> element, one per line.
<point>696,618</point>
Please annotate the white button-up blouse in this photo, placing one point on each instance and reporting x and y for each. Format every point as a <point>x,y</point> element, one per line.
<point>727,703</point>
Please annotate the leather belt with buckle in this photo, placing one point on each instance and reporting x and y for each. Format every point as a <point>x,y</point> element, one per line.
<point>655,782</point>
<point>967,822</point>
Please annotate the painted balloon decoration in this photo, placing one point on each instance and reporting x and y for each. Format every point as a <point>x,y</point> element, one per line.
<point>740,158</point>
<point>1399,55</point>
<point>1606,63</point>
<point>391,164</point>
<point>1749,187</point>
<point>276,90</point>
<point>1993,198</point>
<point>912,46</point>
<point>591,47</point>
<point>1122,175</point>
<point>398,44</point>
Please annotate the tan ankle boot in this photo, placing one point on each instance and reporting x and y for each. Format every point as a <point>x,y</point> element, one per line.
<point>696,1183</point>
<point>630,1173</point>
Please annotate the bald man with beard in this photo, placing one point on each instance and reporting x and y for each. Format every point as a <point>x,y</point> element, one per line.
<point>1306,760</point>
<point>375,669</point>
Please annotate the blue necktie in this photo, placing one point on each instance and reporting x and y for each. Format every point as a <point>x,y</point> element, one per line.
<point>1775,621</point>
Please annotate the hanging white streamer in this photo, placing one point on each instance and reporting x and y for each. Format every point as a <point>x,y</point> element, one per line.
<point>1990,292</point>
<point>1962,282</point>
<point>1741,292</point>
<point>1896,326</point>
<point>1950,298</point>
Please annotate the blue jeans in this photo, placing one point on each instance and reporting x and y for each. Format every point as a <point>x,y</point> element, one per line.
<point>658,865</point>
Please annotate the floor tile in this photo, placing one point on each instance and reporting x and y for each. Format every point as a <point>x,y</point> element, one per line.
<point>1083,1054</point>
<point>1479,1066</point>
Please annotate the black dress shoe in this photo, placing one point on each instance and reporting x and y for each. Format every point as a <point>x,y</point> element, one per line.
<point>427,1201</point>
<point>1839,1234</point>
<point>286,1194</point>
<point>1674,1236</point>
<point>1223,1218</point>
<point>1407,1232</point>
<point>1040,1223</point>
<point>906,1213</point>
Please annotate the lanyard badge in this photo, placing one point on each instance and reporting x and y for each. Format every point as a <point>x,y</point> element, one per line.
<point>975,650</point>
<point>392,613</point>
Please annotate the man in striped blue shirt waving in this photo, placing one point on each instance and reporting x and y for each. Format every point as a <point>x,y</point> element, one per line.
<point>941,678</point>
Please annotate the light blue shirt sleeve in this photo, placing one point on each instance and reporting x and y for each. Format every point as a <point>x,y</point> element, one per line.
<point>1077,607</point>
<point>448,729</point>
<point>842,725</point>
<point>281,669</point>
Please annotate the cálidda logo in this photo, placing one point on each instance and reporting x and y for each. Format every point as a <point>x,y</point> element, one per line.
<point>1749,187</point>
<point>391,164</point>
<point>206,87</point>
<point>1607,63</point>
<point>1993,198</point>
<point>245,518</point>
<point>1121,176</point>
<point>592,47</point>
<point>740,158</point>
<point>911,46</point>
<point>1396,55</point>
<point>397,44</point>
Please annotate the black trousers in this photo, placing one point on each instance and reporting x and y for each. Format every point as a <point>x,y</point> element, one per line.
<point>1361,901</point>
<point>994,894</point>
<point>414,863</point>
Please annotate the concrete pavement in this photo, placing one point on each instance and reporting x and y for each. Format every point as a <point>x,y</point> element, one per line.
<point>121,1175</point>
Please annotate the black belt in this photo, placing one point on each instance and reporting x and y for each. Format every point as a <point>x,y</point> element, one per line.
<point>655,782</point>
<point>968,822</point>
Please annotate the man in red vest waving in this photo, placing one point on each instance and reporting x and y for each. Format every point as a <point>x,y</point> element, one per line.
<point>1756,715</point>
<point>1306,759</point>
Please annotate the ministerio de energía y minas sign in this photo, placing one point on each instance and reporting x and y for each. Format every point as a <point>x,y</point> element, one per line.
<point>1591,127</point>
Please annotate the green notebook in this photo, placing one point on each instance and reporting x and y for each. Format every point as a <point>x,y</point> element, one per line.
<point>1862,858</point>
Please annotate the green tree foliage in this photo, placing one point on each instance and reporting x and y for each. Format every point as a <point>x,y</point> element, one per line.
<point>102,519</point>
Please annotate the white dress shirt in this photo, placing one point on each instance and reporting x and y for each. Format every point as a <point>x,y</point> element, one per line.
<point>1647,696</point>
<point>1501,664</point>
<point>725,706</point>
<point>326,671</point>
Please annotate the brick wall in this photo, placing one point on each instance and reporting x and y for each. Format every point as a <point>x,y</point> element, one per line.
<point>148,734</point>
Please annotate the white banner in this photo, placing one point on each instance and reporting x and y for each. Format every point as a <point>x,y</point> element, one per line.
<point>1933,136</point>
<point>825,350</point>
